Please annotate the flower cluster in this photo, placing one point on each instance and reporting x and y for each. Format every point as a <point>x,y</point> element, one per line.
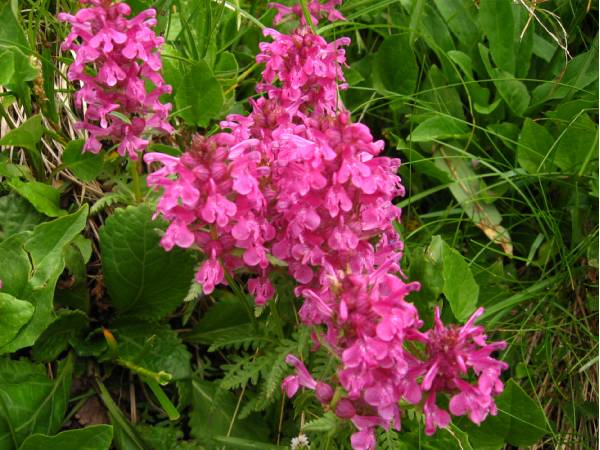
<point>296,180</point>
<point>115,57</point>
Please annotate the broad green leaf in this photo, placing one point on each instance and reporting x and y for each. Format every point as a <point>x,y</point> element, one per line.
<point>426,266</point>
<point>543,48</point>
<point>460,17</point>
<point>95,437</point>
<point>14,314</point>
<point>213,410</point>
<point>43,248</point>
<point>439,128</point>
<point>27,135</point>
<point>16,215</point>
<point>48,240</point>
<point>7,69</point>
<point>222,319</point>
<point>470,191</point>
<point>12,38</point>
<point>395,68</point>
<point>460,287</point>
<point>154,347</point>
<point>520,421</point>
<point>533,149</point>
<point>580,73</point>
<point>85,165</point>
<point>70,325</point>
<point>496,19</point>
<point>142,279</point>
<point>30,402</point>
<point>198,96</point>
<point>578,145</point>
<point>43,197</point>
<point>512,91</point>
<point>15,266</point>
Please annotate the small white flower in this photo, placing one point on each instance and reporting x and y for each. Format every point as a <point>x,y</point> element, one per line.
<point>300,442</point>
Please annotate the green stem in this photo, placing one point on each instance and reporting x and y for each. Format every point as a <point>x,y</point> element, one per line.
<point>134,167</point>
<point>162,398</point>
<point>161,377</point>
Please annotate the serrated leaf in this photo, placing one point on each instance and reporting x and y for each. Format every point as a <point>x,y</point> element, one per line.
<point>142,279</point>
<point>14,314</point>
<point>43,197</point>
<point>95,437</point>
<point>85,165</point>
<point>323,424</point>
<point>154,347</point>
<point>30,402</point>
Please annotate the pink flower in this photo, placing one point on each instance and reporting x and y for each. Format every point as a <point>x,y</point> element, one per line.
<point>302,378</point>
<point>123,53</point>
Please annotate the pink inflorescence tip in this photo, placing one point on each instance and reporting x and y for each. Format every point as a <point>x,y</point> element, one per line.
<point>115,58</point>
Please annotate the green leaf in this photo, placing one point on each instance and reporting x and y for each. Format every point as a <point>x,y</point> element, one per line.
<point>30,402</point>
<point>14,314</point>
<point>239,443</point>
<point>578,144</point>
<point>16,215</point>
<point>43,248</point>
<point>533,149</point>
<point>213,414</point>
<point>470,191</point>
<point>96,437</point>
<point>199,96</point>
<point>496,19</point>
<point>7,69</point>
<point>47,242</point>
<point>460,287</point>
<point>581,71</point>
<point>85,165</point>
<point>513,92</point>
<point>142,279</point>
<point>520,421</point>
<point>27,135</point>
<point>323,424</point>
<point>154,347</point>
<point>460,16</point>
<point>395,68</point>
<point>43,197</point>
<point>12,38</point>
<point>15,266</point>
<point>438,128</point>
<point>69,326</point>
